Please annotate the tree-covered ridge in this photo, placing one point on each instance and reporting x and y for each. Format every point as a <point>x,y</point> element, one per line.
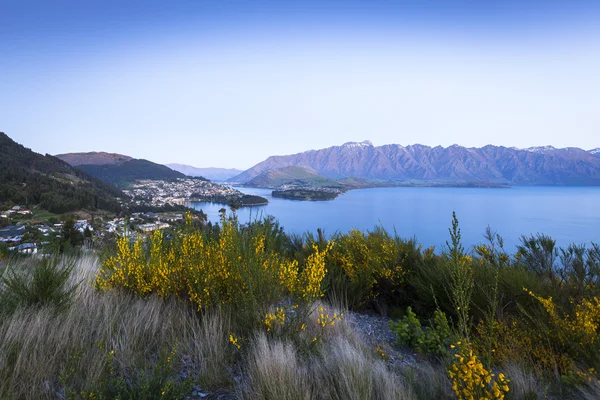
<point>122,173</point>
<point>30,178</point>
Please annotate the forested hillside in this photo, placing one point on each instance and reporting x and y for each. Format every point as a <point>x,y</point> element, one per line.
<point>29,178</point>
<point>118,169</point>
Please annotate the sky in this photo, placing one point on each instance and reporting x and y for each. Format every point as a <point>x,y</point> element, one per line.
<point>218,83</point>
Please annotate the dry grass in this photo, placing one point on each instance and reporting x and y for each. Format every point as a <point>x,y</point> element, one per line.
<point>39,348</point>
<point>340,367</point>
<point>350,372</point>
<point>591,391</point>
<point>274,371</point>
<point>428,381</point>
<point>524,384</point>
<point>44,354</point>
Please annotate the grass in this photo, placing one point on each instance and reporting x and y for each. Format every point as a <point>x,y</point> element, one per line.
<point>275,324</point>
<point>108,343</point>
<point>43,353</point>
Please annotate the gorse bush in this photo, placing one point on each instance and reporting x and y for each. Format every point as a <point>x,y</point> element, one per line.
<point>265,282</point>
<point>370,267</point>
<point>44,282</point>
<point>471,380</point>
<point>240,267</point>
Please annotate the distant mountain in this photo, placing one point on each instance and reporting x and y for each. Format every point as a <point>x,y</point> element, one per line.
<point>29,178</point>
<point>118,169</point>
<point>214,174</point>
<point>419,163</point>
<point>595,152</point>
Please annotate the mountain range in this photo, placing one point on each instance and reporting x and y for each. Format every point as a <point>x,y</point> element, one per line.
<point>32,179</point>
<point>214,174</point>
<point>118,169</point>
<point>419,163</point>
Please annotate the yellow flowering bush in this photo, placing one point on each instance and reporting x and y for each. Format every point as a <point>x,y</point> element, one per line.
<point>240,267</point>
<point>575,332</point>
<point>367,266</point>
<point>471,380</point>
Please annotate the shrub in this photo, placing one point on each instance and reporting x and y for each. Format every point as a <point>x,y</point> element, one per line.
<point>160,380</point>
<point>576,333</point>
<point>471,380</point>
<point>45,282</point>
<point>240,267</point>
<point>369,267</point>
<point>434,339</point>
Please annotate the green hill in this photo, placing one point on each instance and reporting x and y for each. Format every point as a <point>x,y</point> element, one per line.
<point>29,178</point>
<point>118,169</point>
<point>296,176</point>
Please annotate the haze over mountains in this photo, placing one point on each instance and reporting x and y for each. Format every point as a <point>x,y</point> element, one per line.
<point>214,174</point>
<point>396,163</point>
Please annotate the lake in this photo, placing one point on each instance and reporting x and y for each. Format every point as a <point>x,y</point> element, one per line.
<point>568,214</point>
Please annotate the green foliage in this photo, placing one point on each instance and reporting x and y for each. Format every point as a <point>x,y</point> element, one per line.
<point>305,194</point>
<point>28,178</point>
<point>45,282</point>
<point>538,254</point>
<point>160,380</point>
<point>130,171</point>
<point>239,267</point>
<point>433,339</point>
<point>71,237</point>
<point>369,269</point>
<point>461,279</point>
<point>3,251</point>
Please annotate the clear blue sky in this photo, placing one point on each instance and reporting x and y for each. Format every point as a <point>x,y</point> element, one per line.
<point>228,83</point>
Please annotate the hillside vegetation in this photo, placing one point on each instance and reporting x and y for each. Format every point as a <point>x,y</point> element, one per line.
<point>119,170</point>
<point>295,176</point>
<point>29,178</point>
<point>249,312</point>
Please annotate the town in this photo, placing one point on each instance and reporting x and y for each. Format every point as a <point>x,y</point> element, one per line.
<point>33,231</point>
<point>27,231</point>
<point>158,193</point>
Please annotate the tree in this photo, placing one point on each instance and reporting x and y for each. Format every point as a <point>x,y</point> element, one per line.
<point>70,235</point>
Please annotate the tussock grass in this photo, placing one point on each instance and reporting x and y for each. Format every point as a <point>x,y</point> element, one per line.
<point>428,381</point>
<point>348,372</point>
<point>274,371</point>
<point>591,391</point>
<point>42,352</point>
<point>342,367</point>
<point>524,384</point>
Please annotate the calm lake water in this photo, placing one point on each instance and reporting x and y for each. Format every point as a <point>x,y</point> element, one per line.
<point>568,214</point>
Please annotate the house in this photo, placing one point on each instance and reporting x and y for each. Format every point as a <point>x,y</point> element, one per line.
<point>161,225</point>
<point>82,225</point>
<point>12,231</point>
<point>153,226</point>
<point>45,229</point>
<point>25,248</point>
<point>147,227</point>
<point>172,218</point>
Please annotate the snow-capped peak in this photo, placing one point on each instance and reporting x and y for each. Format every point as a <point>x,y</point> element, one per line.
<point>364,143</point>
<point>594,151</point>
<point>540,149</point>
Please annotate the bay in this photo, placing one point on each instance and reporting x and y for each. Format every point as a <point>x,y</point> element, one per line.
<point>567,214</point>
